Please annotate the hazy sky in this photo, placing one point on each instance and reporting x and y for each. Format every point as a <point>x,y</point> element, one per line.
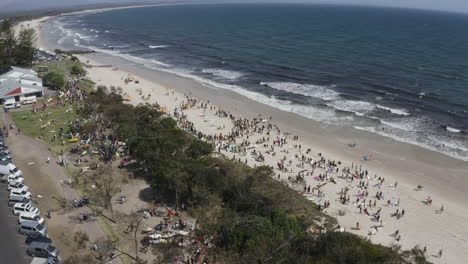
<point>446,5</point>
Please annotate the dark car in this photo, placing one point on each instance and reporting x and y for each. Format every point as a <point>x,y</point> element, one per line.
<point>37,237</point>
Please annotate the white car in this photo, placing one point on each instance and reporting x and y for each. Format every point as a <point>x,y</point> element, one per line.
<point>20,192</point>
<point>29,101</point>
<point>26,216</point>
<point>17,185</point>
<point>24,208</point>
<point>14,178</point>
<point>11,105</point>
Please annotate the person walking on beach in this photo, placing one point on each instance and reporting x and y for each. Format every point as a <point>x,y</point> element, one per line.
<point>440,253</point>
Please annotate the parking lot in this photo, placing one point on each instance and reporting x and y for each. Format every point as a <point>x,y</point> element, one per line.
<point>16,195</point>
<point>12,244</point>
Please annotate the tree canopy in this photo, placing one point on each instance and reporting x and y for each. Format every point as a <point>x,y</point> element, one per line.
<point>54,80</point>
<point>16,50</point>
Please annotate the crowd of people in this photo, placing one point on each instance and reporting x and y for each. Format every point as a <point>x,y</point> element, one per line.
<point>259,141</point>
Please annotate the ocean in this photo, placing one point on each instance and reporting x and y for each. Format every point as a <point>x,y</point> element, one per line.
<point>396,72</point>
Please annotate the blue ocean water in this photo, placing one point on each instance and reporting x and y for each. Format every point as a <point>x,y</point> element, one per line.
<point>399,73</point>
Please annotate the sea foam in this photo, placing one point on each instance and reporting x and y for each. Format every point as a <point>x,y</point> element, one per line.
<point>158,46</point>
<point>359,108</point>
<point>317,91</point>
<point>394,110</point>
<point>223,73</point>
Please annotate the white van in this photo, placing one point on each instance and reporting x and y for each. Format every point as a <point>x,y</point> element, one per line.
<point>22,208</point>
<point>11,104</point>
<point>7,168</point>
<point>12,178</point>
<point>17,185</point>
<point>15,199</point>
<point>26,216</point>
<point>28,227</point>
<point>20,192</point>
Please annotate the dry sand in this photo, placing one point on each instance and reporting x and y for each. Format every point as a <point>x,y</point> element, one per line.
<point>444,178</point>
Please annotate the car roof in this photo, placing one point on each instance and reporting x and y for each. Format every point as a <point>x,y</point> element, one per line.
<point>15,182</point>
<point>21,205</point>
<point>39,244</point>
<point>27,214</point>
<point>4,163</point>
<point>18,189</point>
<point>30,223</point>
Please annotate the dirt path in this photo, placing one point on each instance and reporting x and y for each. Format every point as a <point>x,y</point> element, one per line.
<point>49,179</point>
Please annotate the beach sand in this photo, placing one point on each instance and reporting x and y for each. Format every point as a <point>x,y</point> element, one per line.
<point>444,178</point>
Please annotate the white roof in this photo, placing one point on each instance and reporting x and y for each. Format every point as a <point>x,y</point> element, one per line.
<point>20,73</point>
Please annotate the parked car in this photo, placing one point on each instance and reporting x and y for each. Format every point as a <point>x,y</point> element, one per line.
<point>11,178</point>
<point>29,227</point>
<point>7,168</point>
<point>15,199</point>
<point>17,185</point>
<point>37,237</point>
<point>4,149</point>
<point>5,158</point>
<point>22,207</point>
<point>20,192</point>
<point>27,216</point>
<point>49,260</point>
<point>42,249</point>
<point>5,154</point>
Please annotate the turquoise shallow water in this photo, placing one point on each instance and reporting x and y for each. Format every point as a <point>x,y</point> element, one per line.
<point>399,73</point>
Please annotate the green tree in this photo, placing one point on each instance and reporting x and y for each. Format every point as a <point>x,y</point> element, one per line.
<point>77,70</point>
<point>26,47</point>
<point>7,43</point>
<point>54,80</point>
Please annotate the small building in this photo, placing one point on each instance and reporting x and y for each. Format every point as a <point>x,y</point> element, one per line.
<point>19,83</point>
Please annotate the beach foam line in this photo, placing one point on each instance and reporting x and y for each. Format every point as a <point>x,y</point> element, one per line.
<point>324,115</point>
<point>394,110</point>
<point>232,75</point>
<point>454,130</point>
<point>359,108</point>
<point>448,148</point>
<point>406,124</point>
<point>311,90</point>
<point>147,62</point>
<point>158,46</point>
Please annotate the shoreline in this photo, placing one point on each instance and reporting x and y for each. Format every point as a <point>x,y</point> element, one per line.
<point>442,176</point>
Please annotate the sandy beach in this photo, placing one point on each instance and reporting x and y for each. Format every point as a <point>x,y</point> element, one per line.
<point>443,177</point>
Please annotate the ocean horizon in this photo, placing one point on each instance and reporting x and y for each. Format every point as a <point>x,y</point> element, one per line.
<point>398,73</point>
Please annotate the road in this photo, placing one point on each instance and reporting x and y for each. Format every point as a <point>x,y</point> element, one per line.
<point>27,149</point>
<point>12,246</point>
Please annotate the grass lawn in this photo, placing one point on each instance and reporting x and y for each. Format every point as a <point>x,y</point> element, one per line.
<point>62,67</point>
<point>53,118</point>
